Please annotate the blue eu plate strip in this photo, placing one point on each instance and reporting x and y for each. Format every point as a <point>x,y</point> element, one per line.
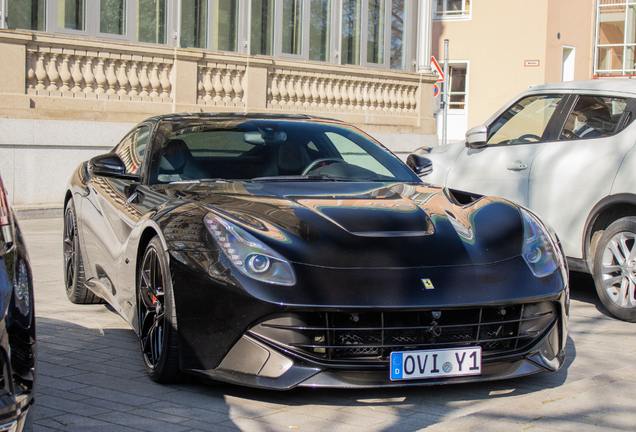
<point>396,366</point>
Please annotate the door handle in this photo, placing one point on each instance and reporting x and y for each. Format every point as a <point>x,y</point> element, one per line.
<point>517,166</point>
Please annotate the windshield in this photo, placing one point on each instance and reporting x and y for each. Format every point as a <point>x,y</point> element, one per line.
<point>270,150</point>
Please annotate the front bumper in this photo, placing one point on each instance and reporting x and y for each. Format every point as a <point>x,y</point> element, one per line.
<point>257,363</point>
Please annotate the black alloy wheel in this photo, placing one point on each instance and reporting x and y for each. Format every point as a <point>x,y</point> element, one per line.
<point>615,269</point>
<point>157,316</point>
<point>74,276</point>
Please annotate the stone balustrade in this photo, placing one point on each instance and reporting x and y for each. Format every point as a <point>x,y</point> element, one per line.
<point>67,77</point>
<point>220,84</point>
<point>309,91</point>
<point>104,74</point>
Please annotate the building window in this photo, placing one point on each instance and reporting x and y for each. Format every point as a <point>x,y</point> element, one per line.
<point>71,14</point>
<point>320,30</point>
<point>457,81</point>
<point>225,25</point>
<point>351,25</point>
<point>615,37</point>
<point>262,27</point>
<point>112,17</point>
<point>451,9</point>
<point>375,31</point>
<point>194,23</point>
<point>151,21</point>
<point>292,26</point>
<point>27,15</point>
<point>399,27</point>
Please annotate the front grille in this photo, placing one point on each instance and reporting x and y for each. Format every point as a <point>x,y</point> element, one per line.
<point>368,336</point>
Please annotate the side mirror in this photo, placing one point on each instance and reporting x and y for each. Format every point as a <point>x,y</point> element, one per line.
<point>476,137</point>
<point>419,164</point>
<point>109,165</point>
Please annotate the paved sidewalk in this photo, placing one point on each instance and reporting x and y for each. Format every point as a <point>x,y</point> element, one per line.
<point>91,378</point>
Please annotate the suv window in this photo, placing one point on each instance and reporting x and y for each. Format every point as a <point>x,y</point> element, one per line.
<point>525,121</point>
<point>593,117</point>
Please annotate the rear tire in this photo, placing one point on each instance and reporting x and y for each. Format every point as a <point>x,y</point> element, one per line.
<point>158,332</point>
<point>615,269</point>
<point>74,276</point>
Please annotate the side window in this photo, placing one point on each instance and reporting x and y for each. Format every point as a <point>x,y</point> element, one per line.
<point>593,117</point>
<point>142,142</point>
<point>132,149</point>
<point>525,121</point>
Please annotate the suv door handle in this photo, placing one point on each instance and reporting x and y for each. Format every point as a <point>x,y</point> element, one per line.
<point>517,166</point>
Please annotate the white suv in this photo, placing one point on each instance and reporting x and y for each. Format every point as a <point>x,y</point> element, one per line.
<point>567,152</point>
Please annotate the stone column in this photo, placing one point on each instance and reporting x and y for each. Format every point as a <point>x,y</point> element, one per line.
<point>12,68</point>
<point>424,36</point>
<point>185,75</point>
<point>255,86</point>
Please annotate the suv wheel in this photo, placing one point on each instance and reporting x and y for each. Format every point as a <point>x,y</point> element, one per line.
<point>615,269</point>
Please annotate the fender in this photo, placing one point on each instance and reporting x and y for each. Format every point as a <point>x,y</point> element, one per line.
<point>593,220</point>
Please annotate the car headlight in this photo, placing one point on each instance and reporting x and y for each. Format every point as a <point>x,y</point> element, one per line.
<point>539,249</point>
<point>248,254</point>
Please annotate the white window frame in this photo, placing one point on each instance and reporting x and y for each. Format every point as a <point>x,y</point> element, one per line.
<point>465,15</point>
<point>51,19</point>
<point>410,35</point>
<point>336,6</point>
<point>4,7</point>
<point>93,14</point>
<point>242,27</point>
<point>242,30</point>
<point>613,72</point>
<point>453,111</point>
<point>92,22</point>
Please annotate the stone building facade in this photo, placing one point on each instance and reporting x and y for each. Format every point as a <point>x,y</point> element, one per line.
<point>69,90</point>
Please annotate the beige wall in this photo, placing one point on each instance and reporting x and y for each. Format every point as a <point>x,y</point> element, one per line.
<point>574,20</point>
<point>502,34</point>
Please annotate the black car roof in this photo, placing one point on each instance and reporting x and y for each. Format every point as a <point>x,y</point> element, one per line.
<point>235,115</point>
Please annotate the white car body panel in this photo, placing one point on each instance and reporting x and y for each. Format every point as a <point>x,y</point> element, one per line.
<point>625,181</point>
<point>584,171</point>
<point>498,171</point>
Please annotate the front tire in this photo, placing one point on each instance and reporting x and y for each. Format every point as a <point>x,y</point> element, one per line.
<point>615,269</point>
<point>74,277</point>
<point>157,316</point>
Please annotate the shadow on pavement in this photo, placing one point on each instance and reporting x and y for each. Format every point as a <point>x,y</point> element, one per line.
<point>582,288</point>
<point>104,366</point>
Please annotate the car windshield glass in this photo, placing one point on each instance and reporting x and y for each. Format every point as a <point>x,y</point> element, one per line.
<point>270,150</point>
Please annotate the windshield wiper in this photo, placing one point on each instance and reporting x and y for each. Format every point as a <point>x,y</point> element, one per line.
<point>292,178</point>
<point>206,180</point>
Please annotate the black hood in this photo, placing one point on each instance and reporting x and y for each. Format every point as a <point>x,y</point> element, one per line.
<point>364,225</point>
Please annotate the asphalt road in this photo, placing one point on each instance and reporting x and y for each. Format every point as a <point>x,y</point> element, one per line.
<point>91,378</point>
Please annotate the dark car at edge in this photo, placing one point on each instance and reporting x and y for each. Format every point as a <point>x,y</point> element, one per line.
<point>17,325</point>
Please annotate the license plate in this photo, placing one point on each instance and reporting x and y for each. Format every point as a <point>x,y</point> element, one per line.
<point>439,363</point>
